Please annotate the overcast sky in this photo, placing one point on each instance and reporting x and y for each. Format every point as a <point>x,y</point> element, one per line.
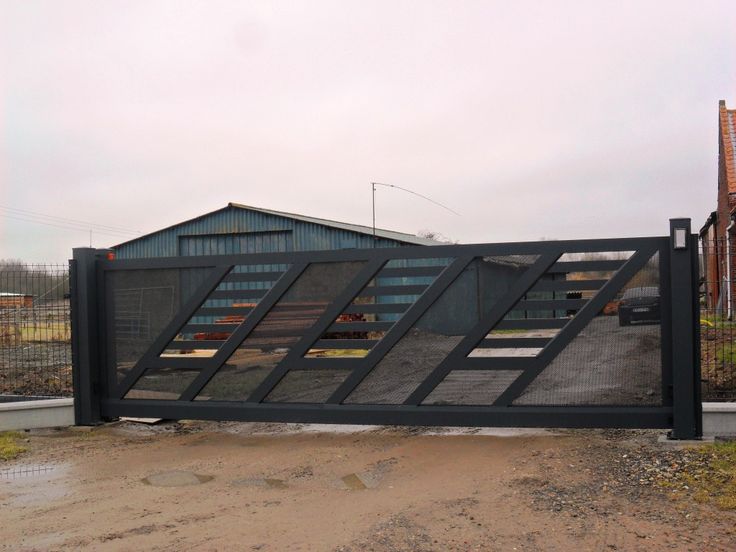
<point>531,119</point>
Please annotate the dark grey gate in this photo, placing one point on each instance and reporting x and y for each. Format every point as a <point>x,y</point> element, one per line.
<point>588,333</point>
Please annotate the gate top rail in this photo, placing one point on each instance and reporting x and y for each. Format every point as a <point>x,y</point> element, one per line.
<point>408,252</point>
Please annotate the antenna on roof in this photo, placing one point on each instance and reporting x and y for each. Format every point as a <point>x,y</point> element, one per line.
<point>373,189</point>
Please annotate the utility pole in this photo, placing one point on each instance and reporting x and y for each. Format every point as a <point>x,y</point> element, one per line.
<point>373,186</point>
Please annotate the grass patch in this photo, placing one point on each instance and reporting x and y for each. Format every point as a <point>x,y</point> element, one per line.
<point>711,476</point>
<point>9,448</point>
<point>716,322</point>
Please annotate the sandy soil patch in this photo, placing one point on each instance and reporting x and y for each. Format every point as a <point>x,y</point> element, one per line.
<point>234,486</point>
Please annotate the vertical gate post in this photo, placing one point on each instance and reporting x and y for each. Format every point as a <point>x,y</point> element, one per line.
<point>85,336</point>
<point>687,410</point>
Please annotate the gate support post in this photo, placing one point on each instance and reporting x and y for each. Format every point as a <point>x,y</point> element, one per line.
<point>85,336</point>
<point>686,406</point>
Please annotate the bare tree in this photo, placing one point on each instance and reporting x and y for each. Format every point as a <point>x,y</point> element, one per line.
<point>436,236</point>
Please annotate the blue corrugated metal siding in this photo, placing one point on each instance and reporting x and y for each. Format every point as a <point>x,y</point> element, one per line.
<point>234,230</point>
<point>229,244</point>
<point>220,226</point>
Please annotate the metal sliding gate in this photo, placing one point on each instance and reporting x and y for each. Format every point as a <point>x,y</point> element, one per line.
<point>588,333</point>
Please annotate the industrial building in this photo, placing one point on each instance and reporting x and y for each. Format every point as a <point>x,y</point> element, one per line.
<point>237,229</point>
<point>244,229</point>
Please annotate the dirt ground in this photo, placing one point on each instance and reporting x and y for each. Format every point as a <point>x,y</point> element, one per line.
<point>276,487</point>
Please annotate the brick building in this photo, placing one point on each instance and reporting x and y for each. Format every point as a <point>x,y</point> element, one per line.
<point>718,235</point>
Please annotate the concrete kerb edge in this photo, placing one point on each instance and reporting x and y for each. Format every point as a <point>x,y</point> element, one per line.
<point>719,419</point>
<point>36,414</point>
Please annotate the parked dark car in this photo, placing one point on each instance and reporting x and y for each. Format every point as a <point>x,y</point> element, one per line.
<point>640,304</point>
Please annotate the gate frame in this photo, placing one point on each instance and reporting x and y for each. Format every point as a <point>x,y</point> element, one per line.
<point>680,409</point>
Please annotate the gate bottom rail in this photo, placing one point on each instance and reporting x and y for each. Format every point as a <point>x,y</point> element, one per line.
<point>471,416</point>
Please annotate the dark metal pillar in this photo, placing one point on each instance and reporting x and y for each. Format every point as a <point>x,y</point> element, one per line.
<point>687,410</point>
<point>85,336</point>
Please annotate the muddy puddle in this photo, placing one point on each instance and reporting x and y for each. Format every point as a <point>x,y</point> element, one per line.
<point>354,482</point>
<point>268,482</point>
<point>176,478</point>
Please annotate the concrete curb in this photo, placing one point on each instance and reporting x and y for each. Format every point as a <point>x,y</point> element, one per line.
<point>36,414</point>
<point>719,419</point>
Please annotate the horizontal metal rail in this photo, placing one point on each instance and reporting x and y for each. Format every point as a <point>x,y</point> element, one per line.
<point>471,416</point>
<point>389,253</point>
<point>372,291</point>
<point>252,277</point>
<point>409,271</point>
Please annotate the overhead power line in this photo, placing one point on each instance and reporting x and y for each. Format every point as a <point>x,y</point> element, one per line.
<point>34,216</point>
<point>373,187</point>
<point>416,194</point>
<point>66,227</point>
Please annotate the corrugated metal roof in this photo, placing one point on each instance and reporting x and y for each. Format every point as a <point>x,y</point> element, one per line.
<point>223,221</point>
<point>380,232</point>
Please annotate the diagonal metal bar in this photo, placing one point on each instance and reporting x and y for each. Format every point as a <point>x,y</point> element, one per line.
<point>486,324</point>
<point>635,263</point>
<point>333,310</point>
<point>397,331</point>
<point>172,329</point>
<point>241,333</point>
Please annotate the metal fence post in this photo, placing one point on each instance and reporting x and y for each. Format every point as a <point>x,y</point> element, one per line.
<point>685,329</point>
<point>85,336</point>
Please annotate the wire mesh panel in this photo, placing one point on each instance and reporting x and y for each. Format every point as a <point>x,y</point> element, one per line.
<point>717,321</point>
<point>143,303</point>
<point>472,387</point>
<point>616,359</point>
<point>35,331</point>
<point>377,307</point>
<point>440,329</point>
<point>224,309</point>
<point>279,330</point>
<point>307,386</point>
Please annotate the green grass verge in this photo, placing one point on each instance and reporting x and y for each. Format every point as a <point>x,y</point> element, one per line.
<point>9,448</point>
<point>711,478</point>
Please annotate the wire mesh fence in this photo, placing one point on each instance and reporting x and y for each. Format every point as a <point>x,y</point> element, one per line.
<point>718,319</point>
<point>35,331</point>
